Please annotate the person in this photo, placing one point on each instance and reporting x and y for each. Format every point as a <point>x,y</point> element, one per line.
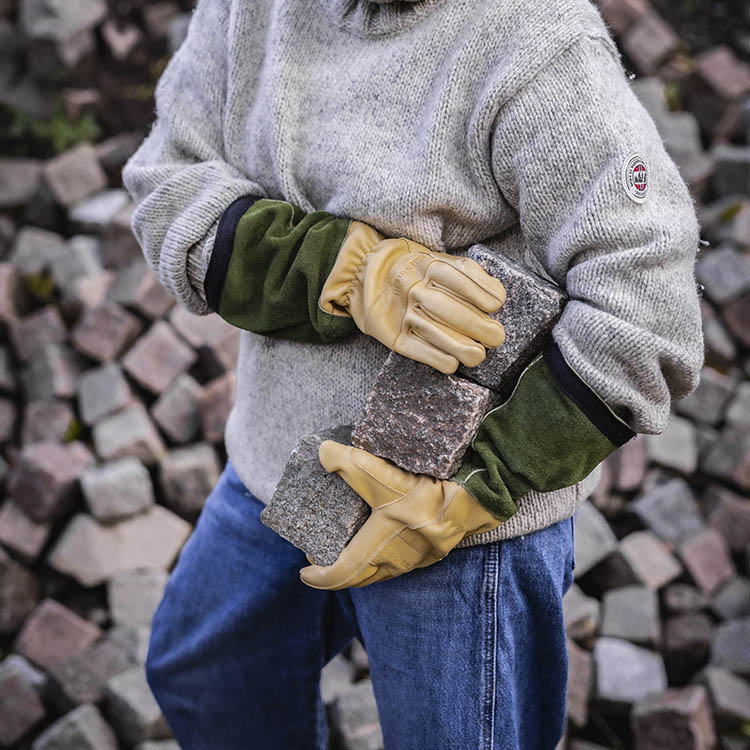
<point>315,174</point>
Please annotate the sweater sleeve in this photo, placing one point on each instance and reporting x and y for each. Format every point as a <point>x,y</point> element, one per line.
<point>605,211</point>
<point>179,177</point>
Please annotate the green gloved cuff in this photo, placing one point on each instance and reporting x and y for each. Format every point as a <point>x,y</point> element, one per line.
<point>268,264</point>
<point>550,433</point>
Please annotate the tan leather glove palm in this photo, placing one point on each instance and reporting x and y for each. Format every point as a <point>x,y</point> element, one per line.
<point>415,521</point>
<point>431,307</point>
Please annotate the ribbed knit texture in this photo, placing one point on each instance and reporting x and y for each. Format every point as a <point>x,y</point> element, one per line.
<point>447,122</point>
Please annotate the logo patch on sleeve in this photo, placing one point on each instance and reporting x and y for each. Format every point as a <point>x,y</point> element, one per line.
<point>635,177</point>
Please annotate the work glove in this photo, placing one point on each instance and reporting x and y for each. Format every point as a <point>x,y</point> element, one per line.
<point>429,306</point>
<point>415,520</point>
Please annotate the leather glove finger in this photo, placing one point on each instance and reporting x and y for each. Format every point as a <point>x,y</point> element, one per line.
<point>467,280</point>
<point>458,315</point>
<point>466,350</point>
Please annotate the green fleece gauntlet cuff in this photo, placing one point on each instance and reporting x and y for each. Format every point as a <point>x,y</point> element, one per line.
<point>550,433</point>
<point>268,264</point>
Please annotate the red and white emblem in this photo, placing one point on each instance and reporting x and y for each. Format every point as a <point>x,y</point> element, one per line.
<point>635,177</point>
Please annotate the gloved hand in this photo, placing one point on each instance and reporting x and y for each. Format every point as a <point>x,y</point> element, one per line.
<point>415,521</point>
<point>429,306</point>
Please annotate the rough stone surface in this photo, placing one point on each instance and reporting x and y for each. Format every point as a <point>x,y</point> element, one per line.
<point>18,594</point>
<point>336,678</point>
<point>736,316</point>
<point>721,69</point>
<point>724,273</point>
<point>419,418</point>
<point>81,678</point>
<point>354,716</point>
<point>738,410</point>
<point>92,552</point>
<point>676,447</point>
<point>54,634</point>
<point>216,403</point>
<point>75,174</point>
<point>83,729</point>
<point>96,212</point>
<point>631,613</point>
<point>34,249</point>
<point>531,308</point>
<point>17,664</point>
<point>44,326</point>
<point>650,559</point>
<point>706,556</point>
<point>21,533</point>
<point>679,719</point>
<point>20,708</point>
<point>316,511</point>
<point>134,594</point>
<point>45,479</point>
<point>729,457</point>
<point>128,433</point>
<point>681,597</point>
<point>158,357</point>
<point>51,373</point>
<point>104,331</point>
<point>729,694</point>
<point>136,287</point>
<point>729,648</point>
<point>52,421</point>
<point>706,403</point>
<point>687,642</point>
<point>649,41</point>
<point>582,614</point>
<point>732,600</point>
<point>580,678</point>
<point>187,475</point>
<point>626,673</point>
<point>102,391</point>
<point>177,410</point>
<point>118,489</point>
<point>594,540</point>
<point>132,708</point>
<point>670,510</point>
<point>19,180</point>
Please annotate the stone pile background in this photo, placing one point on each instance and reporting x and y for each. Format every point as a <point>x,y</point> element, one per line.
<point>113,402</point>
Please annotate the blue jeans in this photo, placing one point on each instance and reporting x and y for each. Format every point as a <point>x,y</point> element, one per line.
<point>466,654</point>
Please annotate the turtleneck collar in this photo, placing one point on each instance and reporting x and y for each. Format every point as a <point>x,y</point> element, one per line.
<point>369,18</point>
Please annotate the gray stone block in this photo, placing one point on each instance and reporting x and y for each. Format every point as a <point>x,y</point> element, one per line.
<point>316,511</point>
<point>133,596</point>
<point>132,708</point>
<point>83,728</point>
<point>626,673</point>
<point>187,476</point>
<point>81,678</point>
<point>118,489</point>
<point>670,510</point>
<point>631,613</point>
<point>421,419</point>
<point>102,391</point>
<point>531,309</point>
<point>354,716</point>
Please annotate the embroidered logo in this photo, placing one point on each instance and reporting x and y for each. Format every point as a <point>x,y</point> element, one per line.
<point>635,177</point>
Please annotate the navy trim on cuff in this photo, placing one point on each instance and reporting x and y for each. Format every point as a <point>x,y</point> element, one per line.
<point>221,253</point>
<point>584,397</point>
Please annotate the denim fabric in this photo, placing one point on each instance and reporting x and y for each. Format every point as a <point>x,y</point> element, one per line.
<point>467,654</point>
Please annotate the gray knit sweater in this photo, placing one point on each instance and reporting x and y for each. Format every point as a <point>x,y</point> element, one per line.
<point>453,123</point>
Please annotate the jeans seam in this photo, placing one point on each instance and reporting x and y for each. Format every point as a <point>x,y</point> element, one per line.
<point>489,667</point>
